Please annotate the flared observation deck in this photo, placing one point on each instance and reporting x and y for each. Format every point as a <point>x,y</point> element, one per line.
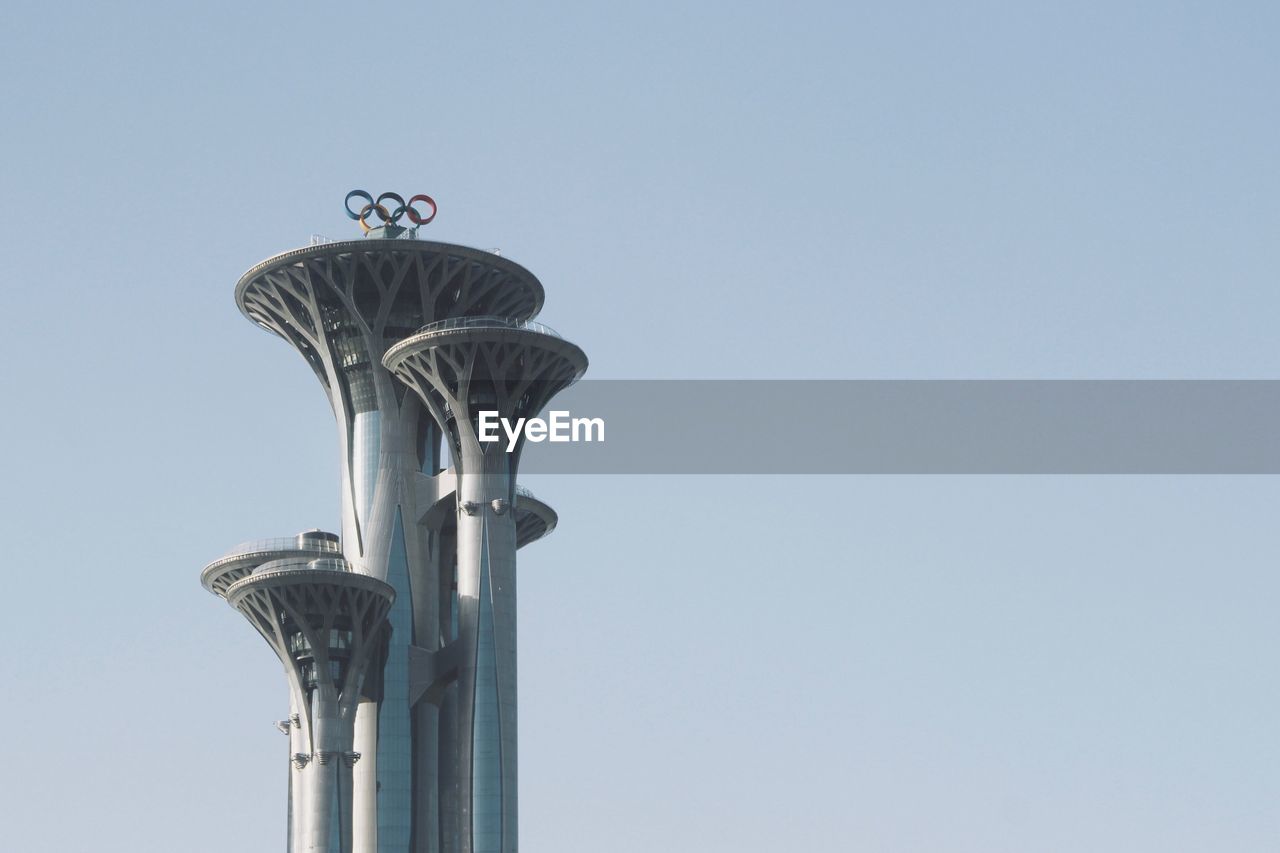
<point>327,625</point>
<point>462,365</point>
<point>535,518</point>
<point>388,287</point>
<point>494,331</point>
<point>245,558</point>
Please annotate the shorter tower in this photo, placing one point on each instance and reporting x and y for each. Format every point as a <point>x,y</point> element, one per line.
<point>460,369</point>
<point>328,626</point>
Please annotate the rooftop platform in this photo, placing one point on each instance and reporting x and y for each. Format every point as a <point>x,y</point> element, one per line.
<point>242,560</point>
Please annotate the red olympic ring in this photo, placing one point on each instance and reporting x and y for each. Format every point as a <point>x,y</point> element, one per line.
<point>414,216</point>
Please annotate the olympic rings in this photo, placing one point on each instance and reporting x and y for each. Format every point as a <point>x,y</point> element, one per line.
<point>388,216</point>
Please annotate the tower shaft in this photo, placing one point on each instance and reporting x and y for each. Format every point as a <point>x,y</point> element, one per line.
<point>461,369</point>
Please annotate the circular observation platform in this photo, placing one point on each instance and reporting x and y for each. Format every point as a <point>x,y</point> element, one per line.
<point>425,280</point>
<point>323,621</point>
<point>534,518</point>
<point>242,560</point>
<point>293,573</point>
<point>564,362</point>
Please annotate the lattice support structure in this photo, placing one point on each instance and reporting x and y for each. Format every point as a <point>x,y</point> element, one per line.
<point>458,370</point>
<point>341,305</point>
<point>327,625</point>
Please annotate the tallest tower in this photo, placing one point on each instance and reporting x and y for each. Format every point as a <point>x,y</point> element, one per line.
<point>426,724</point>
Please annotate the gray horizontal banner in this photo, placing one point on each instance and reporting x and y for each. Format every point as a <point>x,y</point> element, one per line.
<point>918,427</point>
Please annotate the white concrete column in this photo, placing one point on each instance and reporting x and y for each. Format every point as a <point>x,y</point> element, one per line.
<point>364,782</point>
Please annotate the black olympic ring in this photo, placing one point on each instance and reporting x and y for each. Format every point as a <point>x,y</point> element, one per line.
<point>388,216</point>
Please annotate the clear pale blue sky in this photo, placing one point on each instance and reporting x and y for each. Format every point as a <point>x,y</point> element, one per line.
<point>707,190</point>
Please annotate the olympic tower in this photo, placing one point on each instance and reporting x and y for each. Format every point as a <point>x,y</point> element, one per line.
<point>398,638</point>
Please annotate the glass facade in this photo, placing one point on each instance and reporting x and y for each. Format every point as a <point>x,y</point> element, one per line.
<point>311,675</point>
<point>395,739</point>
<point>366,441</point>
<point>453,604</point>
<point>429,449</point>
<point>339,642</point>
<point>339,651</point>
